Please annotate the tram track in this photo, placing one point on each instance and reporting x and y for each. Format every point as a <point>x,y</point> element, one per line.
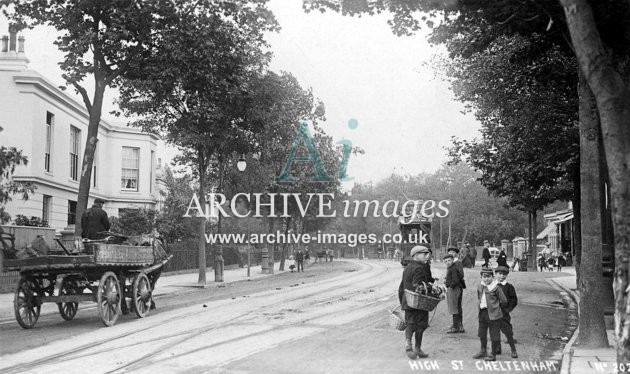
<point>340,284</point>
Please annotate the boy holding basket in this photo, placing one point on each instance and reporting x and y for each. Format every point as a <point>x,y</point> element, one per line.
<point>417,271</point>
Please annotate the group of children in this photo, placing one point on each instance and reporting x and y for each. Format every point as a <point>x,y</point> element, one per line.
<point>497,299</point>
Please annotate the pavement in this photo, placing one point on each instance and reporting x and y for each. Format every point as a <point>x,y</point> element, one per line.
<point>167,284</point>
<point>576,360</point>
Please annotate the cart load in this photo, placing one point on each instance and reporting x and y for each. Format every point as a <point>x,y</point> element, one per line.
<point>107,271</point>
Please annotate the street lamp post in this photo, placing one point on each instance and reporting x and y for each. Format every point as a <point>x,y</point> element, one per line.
<point>219,262</point>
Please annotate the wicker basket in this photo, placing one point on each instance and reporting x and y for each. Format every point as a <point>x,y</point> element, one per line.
<point>421,301</point>
<point>397,319</point>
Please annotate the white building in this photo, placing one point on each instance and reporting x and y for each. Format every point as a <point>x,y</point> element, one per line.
<point>50,128</point>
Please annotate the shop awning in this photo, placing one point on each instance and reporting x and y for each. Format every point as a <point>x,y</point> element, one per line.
<point>548,230</point>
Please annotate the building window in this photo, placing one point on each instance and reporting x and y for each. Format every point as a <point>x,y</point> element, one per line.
<point>94,164</point>
<point>50,120</point>
<point>72,212</point>
<point>46,204</point>
<point>75,143</point>
<point>130,168</point>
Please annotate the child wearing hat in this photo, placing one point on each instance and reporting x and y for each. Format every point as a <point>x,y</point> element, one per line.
<point>491,299</point>
<point>512,300</point>
<point>455,289</point>
<point>416,272</point>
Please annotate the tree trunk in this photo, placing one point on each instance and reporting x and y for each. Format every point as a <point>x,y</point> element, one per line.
<point>271,261</point>
<point>284,245</point>
<point>94,111</point>
<point>534,234</point>
<point>202,220</point>
<point>531,259</point>
<point>591,312</point>
<point>577,230</point>
<point>613,103</point>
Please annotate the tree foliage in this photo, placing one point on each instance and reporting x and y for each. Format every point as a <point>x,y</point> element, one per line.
<point>10,158</point>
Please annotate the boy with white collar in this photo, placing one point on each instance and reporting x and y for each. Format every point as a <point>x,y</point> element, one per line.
<point>512,301</point>
<point>491,299</point>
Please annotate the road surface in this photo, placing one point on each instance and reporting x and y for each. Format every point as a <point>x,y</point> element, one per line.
<point>336,322</point>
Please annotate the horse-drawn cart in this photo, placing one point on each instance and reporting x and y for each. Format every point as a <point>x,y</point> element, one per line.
<point>104,273</point>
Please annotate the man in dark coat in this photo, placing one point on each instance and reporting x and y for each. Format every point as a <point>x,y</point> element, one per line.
<point>502,259</point>
<point>486,254</point>
<point>455,289</point>
<point>94,220</point>
<point>417,271</point>
<point>299,258</point>
<point>512,301</point>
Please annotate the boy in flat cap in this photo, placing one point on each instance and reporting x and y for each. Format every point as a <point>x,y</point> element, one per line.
<point>455,289</point>
<point>417,271</point>
<point>491,299</point>
<point>94,220</point>
<point>512,301</point>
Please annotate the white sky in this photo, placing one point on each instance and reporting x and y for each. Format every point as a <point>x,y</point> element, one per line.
<point>360,70</point>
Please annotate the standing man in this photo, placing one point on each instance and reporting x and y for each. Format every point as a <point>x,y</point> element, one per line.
<point>455,289</point>
<point>417,271</point>
<point>299,257</point>
<point>94,220</point>
<point>486,254</point>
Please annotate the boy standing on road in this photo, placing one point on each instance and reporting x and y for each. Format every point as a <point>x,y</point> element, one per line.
<point>491,299</point>
<point>455,289</point>
<point>417,271</point>
<point>512,300</point>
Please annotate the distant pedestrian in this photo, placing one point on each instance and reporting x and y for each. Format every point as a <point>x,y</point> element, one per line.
<point>299,257</point>
<point>491,299</point>
<point>502,259</point>
<point>516,264</point>
<point>561,262</point>
<point>551,263</point>
<point>455,289</point>
<point>486,254</point>
<point>541,262</point>
<point>307,256</point>
<point>291,263</point>
<point>512,301</point>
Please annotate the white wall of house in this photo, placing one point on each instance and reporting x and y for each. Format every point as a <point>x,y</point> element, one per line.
<point>27,102</point>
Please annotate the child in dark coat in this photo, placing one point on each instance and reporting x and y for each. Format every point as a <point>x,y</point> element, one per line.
<point>512,301</point>
<point>491,299</point>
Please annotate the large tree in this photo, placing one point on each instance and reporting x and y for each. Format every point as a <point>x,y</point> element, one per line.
<point>603,51</point>
<point>194,87</point>
<point>468,27</point>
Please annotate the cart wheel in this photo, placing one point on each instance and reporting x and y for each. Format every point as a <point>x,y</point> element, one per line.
<point>142,295</point>
<point>68,310</point>
<point>108,298</point>
<point>25,303</point>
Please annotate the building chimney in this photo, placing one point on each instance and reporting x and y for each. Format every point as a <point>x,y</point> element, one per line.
<point>21,44</point>
<point>12,38</point>
<point>12,55</point>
